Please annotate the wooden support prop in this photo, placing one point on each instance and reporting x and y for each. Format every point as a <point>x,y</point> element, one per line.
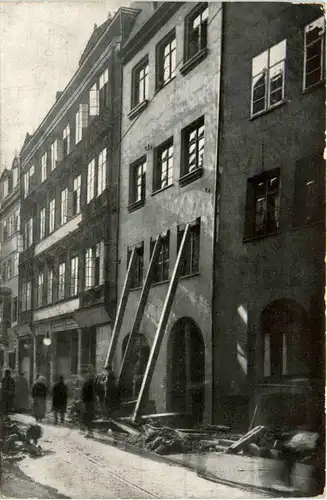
<point>121,309</point>
<point>249,437</point>
<point>142,302</point>
<point>160,328</point>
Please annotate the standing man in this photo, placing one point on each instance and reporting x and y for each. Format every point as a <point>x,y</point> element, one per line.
<point>39,395</point>
<point>59,400</point>
<point>110,399</point>
<point>88,397</point>
<point>21,394</point>
<point>7,393</point>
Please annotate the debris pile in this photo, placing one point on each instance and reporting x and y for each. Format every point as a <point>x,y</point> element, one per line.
<point>75,411</point>
<point>15,442</point>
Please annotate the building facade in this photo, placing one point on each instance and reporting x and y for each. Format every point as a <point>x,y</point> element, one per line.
<point>69,214</point>
<point>171,77</point>
<point>270,247</point>
<point>10,245</point>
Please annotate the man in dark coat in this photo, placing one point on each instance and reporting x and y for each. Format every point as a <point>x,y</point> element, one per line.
<point>59,399</point>
<point>111,393</point>
<point>39,395</point>
<point>7,393</point>
<point>88,397</point>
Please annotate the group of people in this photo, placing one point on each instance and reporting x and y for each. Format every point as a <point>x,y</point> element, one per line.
<point>101,389</point>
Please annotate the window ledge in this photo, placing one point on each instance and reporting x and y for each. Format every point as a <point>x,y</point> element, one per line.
<point>191,176</point>
<point>164,84</point>
<point>136,205</point>
<point>135,288</point>
<point>313,87</point>
<point>161,189</point>
<point>192,275</point>
<point>164,282</point>
<point>138,109</point>
<point>260,237</point>
<point>194,61</point>
<point>268,110</point>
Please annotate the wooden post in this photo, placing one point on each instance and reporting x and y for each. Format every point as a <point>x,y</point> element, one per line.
<point>160,328</point>
<point>142,302</point>
<point>121,310</point>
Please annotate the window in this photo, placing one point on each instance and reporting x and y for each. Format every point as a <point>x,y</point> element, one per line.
<point>42,224</point>
<point>50,286</point>
<point>62,281</point>
<point>29,180</point>
<point>161,266</point>
<point>268,78</point>
<point>262,205</point>
<point>9,269</point>
<point>196,32</point>
<point>193,147</point>
<point>5,188</point>
<point>16,220</point>
<point>12,360</point>
<point>28,233</point>
<point>138,181</point>
<point>90,181</point>
<point>166,54</point>
<point>26,296</point>
<point>164,162</point>
<point>52,214</point>
<point>10,225</point>
<point>63,206</point>
<point>309,191</point>
<point>74,276</point>
<point>15,309</point>
<point>54,154</point>
<point>314,53</point>
<point>77,195</point>
<point>81,122</point>
<point>140,90</point>
<point>103,90</point>
<point>94,100</point>
<point>191,255</point>
<point>102,165</point>
<point>16,264</point>
<point>137,271</point>
<point>94,266</point>
<point>66,141</point>
<point>44,160</point>
<point>5,229</point>
<point>14,177</point>
<point>40,288</point>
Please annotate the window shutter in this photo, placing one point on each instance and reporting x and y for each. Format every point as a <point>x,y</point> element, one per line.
<point>84,110</point>
<point>60,150</point>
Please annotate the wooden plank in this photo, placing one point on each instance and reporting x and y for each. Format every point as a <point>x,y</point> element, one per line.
<point>161,328</point>
<point>249,437</point>
<point>121,310</point>
<point>142,303</point>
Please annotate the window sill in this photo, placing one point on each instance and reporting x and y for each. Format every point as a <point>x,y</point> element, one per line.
<point>268,110</point>
<point>164,282</point>
<point>191,176</point>
<point>163,85</point>
<point>136,205</point>
<point>313,87</point>
<point>138,109</point>
<point>135,288</point>
<point>161,189</point>
<point>192,275</point>
<point>260,237</point>
<point>194,61</point>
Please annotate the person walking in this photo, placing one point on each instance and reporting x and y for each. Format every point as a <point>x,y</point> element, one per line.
<point>59,400</point>
<point>7,393</point>
<point>21,393</point>
<point>39,395</point>
<point>88,397</point>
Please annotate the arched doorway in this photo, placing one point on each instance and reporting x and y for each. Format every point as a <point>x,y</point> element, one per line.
<point>186,369</point>
<point>134,365</point>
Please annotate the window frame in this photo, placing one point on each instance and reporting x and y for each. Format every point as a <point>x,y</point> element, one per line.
<point>63,206</point>
<point>76,205</point>
<point>189,261</point>
<point>136,201</point>
<point>158,163</point>
<point>42,223</point>
<point>62,281</point>
<point>52,215</point>
<point>40,289</point>
<point>267,80</point>
<point>162,264</point>
<point>142,65</point>
<point>94,105</point>
<point>322,39</point>
<point>44,164</point>
<point>160,58</point>
<point>187,175</point>
<point>250,223</point>
<point>74,276</point>
<point>66,141</point>
<point>203,36</point>
<point>50,285</point>
<point>90,182</point>
<point>103,90</point>
<point>54,154</point>
<point>102,171</point>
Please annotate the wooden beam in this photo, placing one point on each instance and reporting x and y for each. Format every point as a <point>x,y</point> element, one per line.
<point>142,302</point>
<point>161,328</point>
<point>121,309</point>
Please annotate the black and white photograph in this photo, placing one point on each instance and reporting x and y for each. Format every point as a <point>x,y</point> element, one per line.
<point>162,249</point>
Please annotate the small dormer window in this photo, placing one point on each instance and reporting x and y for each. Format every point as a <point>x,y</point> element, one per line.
<point>5,185</point>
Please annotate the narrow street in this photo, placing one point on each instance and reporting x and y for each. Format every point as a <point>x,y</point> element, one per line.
<point>76,467</point>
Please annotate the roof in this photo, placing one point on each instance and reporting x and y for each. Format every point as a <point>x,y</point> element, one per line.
<point>94,38</point>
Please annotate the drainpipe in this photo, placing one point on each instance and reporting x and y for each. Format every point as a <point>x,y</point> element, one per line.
<point>215,291</point>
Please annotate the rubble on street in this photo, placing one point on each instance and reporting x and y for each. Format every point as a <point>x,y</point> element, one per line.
<point>17,441</point>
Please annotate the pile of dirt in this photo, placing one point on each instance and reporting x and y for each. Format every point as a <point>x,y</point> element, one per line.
<point>17,442</point>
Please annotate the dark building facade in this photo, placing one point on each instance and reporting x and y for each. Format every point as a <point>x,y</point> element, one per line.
<point>69,214</point>
<point>270,241</point>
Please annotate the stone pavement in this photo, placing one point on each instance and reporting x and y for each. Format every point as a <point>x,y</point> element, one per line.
<point>251,471</point>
